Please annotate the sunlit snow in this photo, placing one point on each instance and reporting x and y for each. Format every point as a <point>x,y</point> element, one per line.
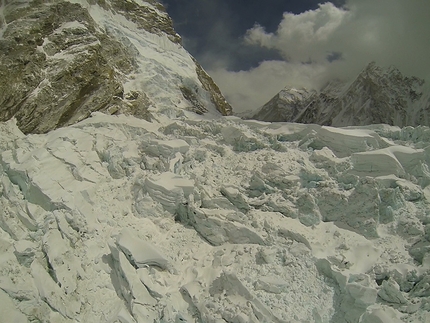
<point>116,219</point>
<point>203,218</point>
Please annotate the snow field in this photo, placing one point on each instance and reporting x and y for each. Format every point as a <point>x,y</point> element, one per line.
<point>116,219</point>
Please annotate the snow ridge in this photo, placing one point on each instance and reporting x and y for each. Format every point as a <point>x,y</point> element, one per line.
<point>116,219</point>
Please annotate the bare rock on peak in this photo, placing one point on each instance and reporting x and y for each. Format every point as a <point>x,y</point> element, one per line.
<point>376,96</point>
<point>60,61</point>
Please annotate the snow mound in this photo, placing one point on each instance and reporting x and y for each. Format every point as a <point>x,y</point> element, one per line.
<point>140,253</point>
<point>397,160</point>
<point>117,219</point>
<point>169,190</point>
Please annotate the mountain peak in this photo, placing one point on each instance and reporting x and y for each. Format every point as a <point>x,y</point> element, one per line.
<point>63,60</point>
<point>377,95</point>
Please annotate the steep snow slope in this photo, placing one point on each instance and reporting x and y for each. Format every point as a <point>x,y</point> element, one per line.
<point>116,219</point>
<point>376,96</point>
<point>61,60</point>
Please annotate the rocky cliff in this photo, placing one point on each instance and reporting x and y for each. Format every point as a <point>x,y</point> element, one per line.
<point>62,60</point>
<point>376,96</point>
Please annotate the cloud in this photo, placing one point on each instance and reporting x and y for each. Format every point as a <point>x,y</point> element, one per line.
<point>222,45</point>
<point>213,30</point>
<point>332,42</point>
<point>247,90</point>
<point>304,37</point>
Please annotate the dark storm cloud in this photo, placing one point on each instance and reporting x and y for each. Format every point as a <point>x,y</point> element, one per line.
<point>332,42</point>
<point>213,30</point>
<point>253,49</point>
<point>334,56</point>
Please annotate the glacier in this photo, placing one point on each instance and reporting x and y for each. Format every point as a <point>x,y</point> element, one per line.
<point>194,219</point>
<point>128,195</point>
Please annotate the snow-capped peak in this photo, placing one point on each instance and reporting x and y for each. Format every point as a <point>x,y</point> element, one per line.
<point>377,95</point>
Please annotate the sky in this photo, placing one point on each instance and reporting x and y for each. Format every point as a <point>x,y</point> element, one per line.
<point>254,48</point>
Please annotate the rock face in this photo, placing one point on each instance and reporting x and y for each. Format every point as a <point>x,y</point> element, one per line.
<point>376,96</point>
<point>62,60</point>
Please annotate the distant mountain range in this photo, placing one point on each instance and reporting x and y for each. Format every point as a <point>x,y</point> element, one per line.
<point>376,95</point>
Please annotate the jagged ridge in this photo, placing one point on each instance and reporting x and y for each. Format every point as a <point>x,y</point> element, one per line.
<point>376,96</point>
<point>62,60</point>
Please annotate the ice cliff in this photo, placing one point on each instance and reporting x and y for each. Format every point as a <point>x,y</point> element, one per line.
<point>61,60</point>
<point>116,219</point>
<point>377,95</point>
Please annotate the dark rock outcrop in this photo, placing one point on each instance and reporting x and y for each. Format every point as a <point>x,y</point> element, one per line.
<point>60,61</point>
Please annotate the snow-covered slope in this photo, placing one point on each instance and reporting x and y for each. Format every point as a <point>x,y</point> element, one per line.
<point>376,96</point>
<point>195,217</point>
<point>116,219</point>
<point>61,60</point>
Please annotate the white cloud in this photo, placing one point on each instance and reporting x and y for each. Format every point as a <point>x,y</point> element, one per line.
<point>247,90</point>
<point>390,32</point>
<point>304,37</point>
